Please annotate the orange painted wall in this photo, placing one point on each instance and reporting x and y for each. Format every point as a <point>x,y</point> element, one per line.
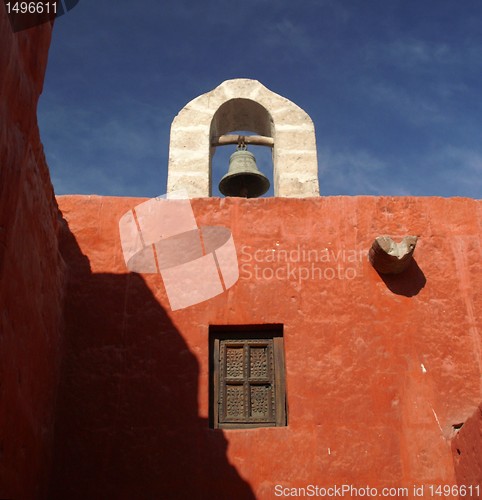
<point>31,271</point>
<point>378,370</point>
<point>467,449</point>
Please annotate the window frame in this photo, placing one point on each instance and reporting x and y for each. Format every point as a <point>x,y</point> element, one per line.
<point>246,333</point>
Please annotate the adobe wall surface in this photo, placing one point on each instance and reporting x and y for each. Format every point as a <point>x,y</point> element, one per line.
<point>378,370</point>
<point>31,271</point>
<point>467,450</point>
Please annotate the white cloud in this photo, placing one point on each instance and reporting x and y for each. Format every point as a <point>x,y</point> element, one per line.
<point>115,150</point>
<point>416,107</point>
<point>413,52</point>
<point>460,169</point>
<point>356,173</point>
<point>287,37</point>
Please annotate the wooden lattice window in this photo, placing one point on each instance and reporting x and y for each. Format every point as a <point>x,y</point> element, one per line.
<point>248,388</point>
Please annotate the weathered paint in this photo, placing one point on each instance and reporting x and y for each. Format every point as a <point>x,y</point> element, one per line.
<point>467,449</point>
<point>31,271</point>
<point>379,369</point>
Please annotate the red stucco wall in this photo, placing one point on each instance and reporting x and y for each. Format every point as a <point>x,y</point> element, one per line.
<point>31,271</point>
<point>378,370</point>
<point>467,450</point>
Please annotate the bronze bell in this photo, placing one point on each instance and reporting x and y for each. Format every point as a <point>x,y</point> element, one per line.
<point>243,177</point>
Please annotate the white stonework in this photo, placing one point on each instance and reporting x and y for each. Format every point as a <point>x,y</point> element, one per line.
<point>243,104</point>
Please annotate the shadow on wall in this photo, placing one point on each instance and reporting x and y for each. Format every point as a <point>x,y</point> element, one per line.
<point>127,419</point>
<point>467,453</point>
<point>407,283</point>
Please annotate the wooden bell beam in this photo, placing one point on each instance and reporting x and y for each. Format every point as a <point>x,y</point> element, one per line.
<point>258,140</point>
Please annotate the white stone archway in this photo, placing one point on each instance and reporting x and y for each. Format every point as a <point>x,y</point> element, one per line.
<point>243,104</point>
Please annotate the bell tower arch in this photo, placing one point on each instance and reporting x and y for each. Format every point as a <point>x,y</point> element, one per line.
<point>243,104</point>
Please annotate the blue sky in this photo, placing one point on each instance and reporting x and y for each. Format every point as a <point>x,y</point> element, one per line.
<point>394,88</point>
